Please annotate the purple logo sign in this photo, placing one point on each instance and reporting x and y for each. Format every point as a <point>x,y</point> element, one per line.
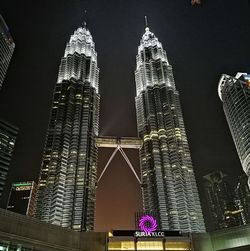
<point>148,224</point>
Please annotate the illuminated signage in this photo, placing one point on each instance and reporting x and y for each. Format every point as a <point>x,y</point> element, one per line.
<point>147,224</point>
<point>22,184</point>
<point>138,233</point>
<point>22,188</point>
<point>147,228</point>
<point>152,234</point>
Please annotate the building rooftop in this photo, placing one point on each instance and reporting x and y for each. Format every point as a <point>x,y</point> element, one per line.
<point>16,229</point>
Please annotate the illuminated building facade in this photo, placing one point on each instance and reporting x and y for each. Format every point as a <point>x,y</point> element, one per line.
<point>242,198</point>
<point>149,238</point>
<point>22,233</point>
<point>168,181</point>
<point>234,93</point>
<point>7,47</point>
<point>8,134</point>
<point>170,241</point>
<point>220,200</point>
<point>22,198</point>
<point>66,192</point>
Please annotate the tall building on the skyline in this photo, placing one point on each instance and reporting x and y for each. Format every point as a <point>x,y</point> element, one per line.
<point>168,181</point>
<point>220,199</point>
<point>7,47</point>
<point>242,198</point>
<point>234,93</point>
<point>8,134</point>
<point>67,184</point>
<point>22,198</point>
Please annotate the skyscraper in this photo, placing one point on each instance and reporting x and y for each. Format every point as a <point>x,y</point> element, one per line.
<point>66,194</point>
<point>234,93</point>
<point>220,201</point>
<point>8,134</point>
<point>242,198</point>
<point>168,181</point>
<point>7,46</point>
<point>22,198</point>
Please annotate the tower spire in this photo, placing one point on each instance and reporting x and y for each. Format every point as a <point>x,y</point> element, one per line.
<point>146,22</point>
<point>85,18</point>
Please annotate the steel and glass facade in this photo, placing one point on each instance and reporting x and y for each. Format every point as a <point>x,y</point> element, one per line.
<point>66,194</point>
<point>8,134</point>
<point>234,93</point>
<point>220,197</point>
<point>242,198</point>
<point>168,181</point>
<point>7,47</point>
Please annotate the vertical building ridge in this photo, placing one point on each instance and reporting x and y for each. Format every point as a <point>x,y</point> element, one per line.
<point>168,181</point>
<point>66,194</point>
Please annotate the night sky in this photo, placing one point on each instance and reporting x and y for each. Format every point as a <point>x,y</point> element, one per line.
<point>202,42</point>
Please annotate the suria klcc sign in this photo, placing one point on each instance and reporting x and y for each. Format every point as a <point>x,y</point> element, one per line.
<point>148,227</point>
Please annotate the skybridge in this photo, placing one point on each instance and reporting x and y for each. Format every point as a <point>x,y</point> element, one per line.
<point>119,143</point>
<point>123,142</point>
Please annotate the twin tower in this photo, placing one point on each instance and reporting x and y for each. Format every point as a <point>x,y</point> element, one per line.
<point>67,183</point>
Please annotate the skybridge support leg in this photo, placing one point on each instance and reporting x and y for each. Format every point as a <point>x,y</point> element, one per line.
<point>129,164</point>
<point>110,159</point>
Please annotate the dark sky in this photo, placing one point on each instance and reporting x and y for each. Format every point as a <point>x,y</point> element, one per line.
<point>201,43</point>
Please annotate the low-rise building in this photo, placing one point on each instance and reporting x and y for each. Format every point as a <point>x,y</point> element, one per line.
<point>22,233</point>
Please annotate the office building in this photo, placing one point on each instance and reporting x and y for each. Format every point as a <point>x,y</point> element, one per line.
<point>234,93</point>
<point>221,201</point>
<point>7,47</point>
<point>22,198</point>
<point>242,198</point>
<point>168,181</point>
<point>67,184</point>
<point>8,134</point>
